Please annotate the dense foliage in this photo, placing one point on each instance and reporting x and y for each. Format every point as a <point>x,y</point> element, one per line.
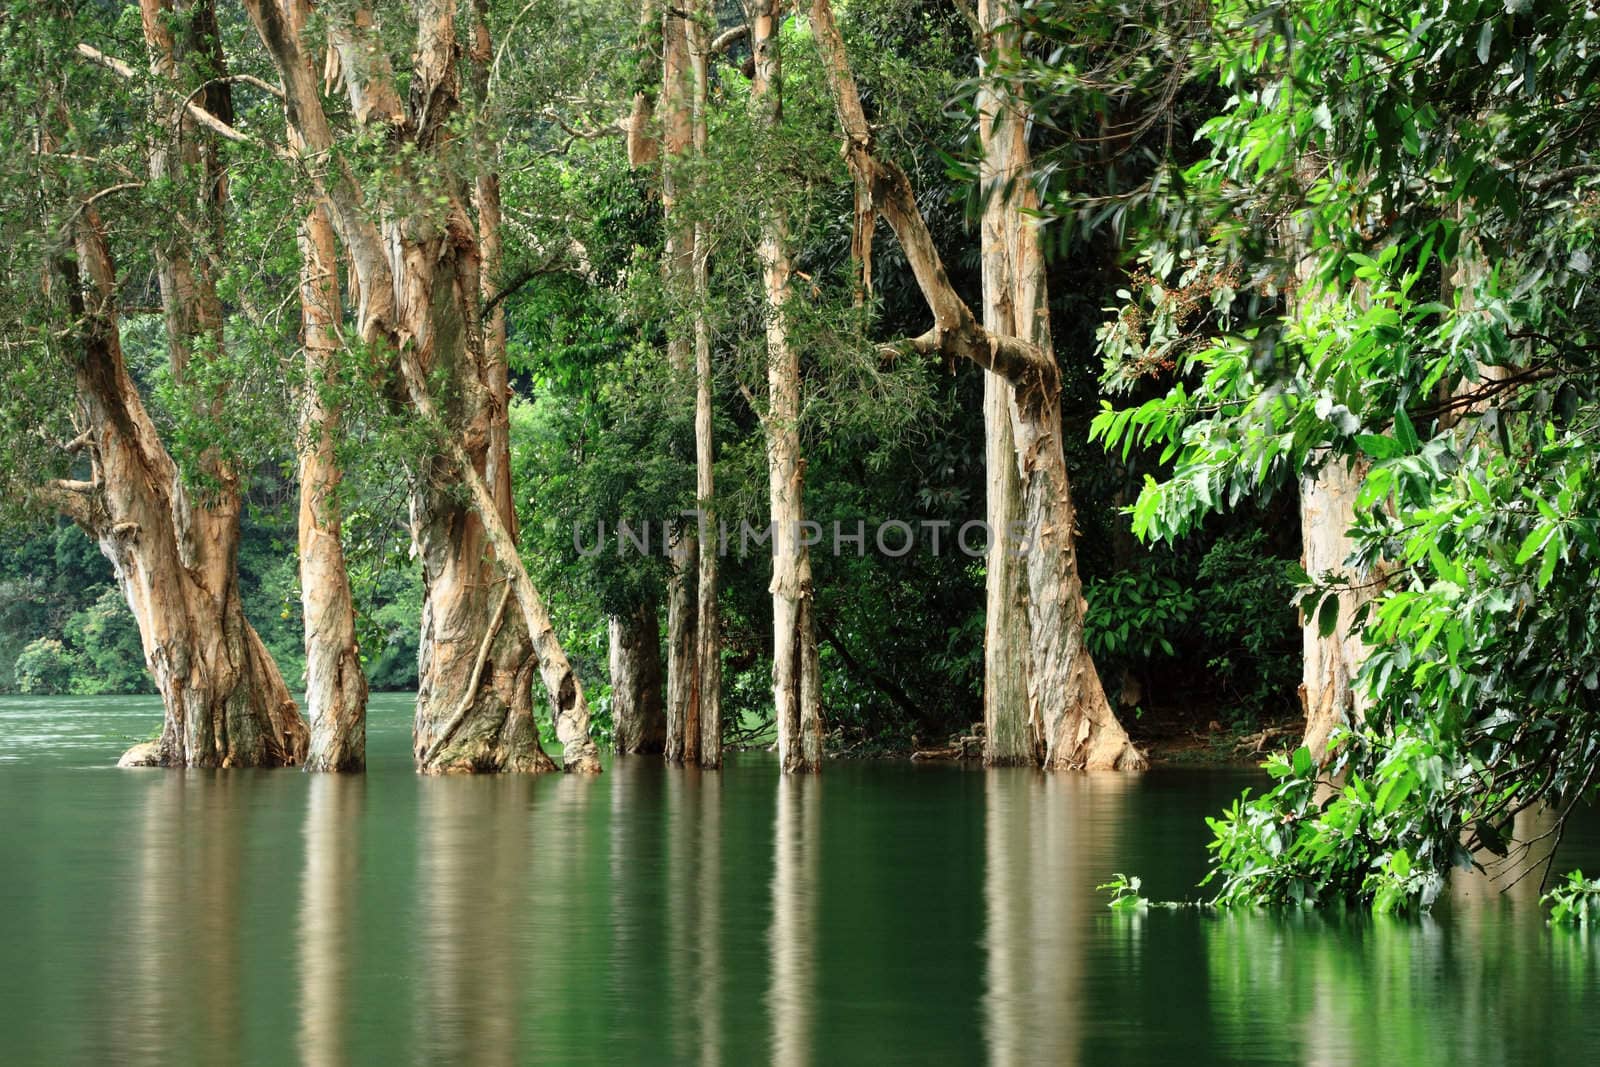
<point>1383,261</point>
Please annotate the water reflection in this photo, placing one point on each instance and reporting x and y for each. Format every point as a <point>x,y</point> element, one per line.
<point>693,915</point>
<point>329,888</point>
<point>1045,844</point>
<point>792,939</point>
<point>473,860</point>
<point>176,982</point>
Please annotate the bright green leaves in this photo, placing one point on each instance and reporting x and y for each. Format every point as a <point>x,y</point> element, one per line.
<point>1574,901</point>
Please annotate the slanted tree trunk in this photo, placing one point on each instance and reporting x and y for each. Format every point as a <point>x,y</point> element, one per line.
<point>174,558</point>
<point>1079,728</point>
<point>174,545</point>
<point>708,626</point>
<point>419,264</point>
<point>796,685</point>
<point>636,710</point>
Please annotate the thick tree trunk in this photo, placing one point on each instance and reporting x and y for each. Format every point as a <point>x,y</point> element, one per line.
<point>1079,728</point>
<point>173,547</point>
<point>421,280</point>
<point>796,685</point>
<point>175,561</point>
<point>636,709</point>
<point>1011,305</point>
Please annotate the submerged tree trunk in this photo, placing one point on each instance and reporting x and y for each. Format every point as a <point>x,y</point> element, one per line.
<point>1012,304</point>
<point>636,709</point>
<point>1011,729</point>
<point>796,686</point>
<point>1078,726</point>
<point>336,686</point>
<point>420,266</point>
<point>679,132</point>
<point>174,545</point>
<point>175,561</point>
<point>708,626</point>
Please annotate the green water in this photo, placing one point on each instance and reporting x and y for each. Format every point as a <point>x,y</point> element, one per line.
<point>885,913</point>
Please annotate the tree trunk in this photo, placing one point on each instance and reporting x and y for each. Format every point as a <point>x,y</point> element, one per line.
<point>1078,726</point>
<point>174,547</point>
<point>1011,305</point>
<point>796,685</point>
<point>175,561</point>
<point>1327,511</point>
<point>708,627</point>
<point>636,710</point>
<point>678,128</point>
<point>336,686</point>
<point>421,287</point>
<point>1011,728</point>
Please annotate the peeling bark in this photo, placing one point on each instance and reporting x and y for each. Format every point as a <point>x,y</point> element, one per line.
<point>173,545</point>
<point>636,708</point>
<point>1012,304</point>
<point>1078,726</point>
<point>796,685</point>
<point>336,686</point>
<point>225,704</point>
<point>420,271</point>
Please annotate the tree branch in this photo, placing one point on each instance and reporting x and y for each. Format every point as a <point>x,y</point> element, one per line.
<point>198,113</point>
<point>956,331</point>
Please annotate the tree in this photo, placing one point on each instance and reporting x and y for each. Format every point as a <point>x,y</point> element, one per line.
<point>796,686</point>
<point>168,524</point>
<point>1409,144</point>
<point>418,262</point>
<point>1078,726</point>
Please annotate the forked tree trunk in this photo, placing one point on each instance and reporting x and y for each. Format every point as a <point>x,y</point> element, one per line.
<point>1079,728</point>
<point>175,560</point>
<point>796,685</point>
<point>636,709</point>
<point>174,547</point>
<point>421,280</point>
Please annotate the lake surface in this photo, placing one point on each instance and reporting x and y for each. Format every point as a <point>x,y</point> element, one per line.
<point>886,913</point>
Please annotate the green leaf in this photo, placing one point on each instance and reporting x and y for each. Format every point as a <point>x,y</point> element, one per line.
<point>1328,614</point>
